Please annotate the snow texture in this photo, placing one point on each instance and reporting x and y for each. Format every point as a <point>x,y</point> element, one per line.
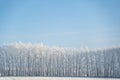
<point>21,59</point>
<point>54,78</point>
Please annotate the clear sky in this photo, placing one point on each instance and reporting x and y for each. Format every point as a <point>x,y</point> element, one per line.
<point>67,23</point>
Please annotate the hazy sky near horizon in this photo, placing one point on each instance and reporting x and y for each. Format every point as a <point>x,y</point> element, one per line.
<point>67,23</point>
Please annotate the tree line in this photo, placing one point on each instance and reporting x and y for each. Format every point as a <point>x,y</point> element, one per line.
<point>39,60</point>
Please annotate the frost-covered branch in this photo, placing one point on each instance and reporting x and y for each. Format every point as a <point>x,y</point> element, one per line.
<point>39,60</point>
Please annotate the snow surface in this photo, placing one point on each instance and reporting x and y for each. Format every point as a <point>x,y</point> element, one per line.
<point>54,78</point>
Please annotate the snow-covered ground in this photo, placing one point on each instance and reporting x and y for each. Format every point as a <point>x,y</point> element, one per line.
<point>54,78</point>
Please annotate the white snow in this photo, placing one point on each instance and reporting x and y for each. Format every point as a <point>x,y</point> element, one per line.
<point>54,78</point>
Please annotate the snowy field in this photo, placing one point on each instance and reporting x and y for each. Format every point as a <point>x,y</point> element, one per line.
<point>53,78</point>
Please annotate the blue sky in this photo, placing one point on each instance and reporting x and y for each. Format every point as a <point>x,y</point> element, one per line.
<point>67,23</point>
